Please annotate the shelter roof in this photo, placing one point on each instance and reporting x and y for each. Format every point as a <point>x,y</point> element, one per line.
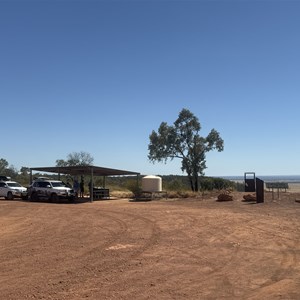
<point>85,170</point>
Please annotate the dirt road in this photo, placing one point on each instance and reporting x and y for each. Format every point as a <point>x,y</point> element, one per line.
<point>166,249</point>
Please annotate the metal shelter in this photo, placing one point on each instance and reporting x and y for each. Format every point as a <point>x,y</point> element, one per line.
<point>84,170</point>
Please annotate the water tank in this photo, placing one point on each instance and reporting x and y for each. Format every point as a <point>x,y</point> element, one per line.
<point>152,183</point>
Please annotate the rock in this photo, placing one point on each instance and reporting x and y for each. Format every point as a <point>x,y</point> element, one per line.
<point>249,197</point>
<point>225,197</point>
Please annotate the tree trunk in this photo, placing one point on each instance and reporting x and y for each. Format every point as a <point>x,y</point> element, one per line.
<point>196,183</point>
<point>191,182</point>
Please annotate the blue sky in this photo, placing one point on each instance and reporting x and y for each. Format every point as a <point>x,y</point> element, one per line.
<point>99,76</point>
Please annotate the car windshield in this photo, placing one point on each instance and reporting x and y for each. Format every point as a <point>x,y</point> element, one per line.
<point>57,184</point>
<point>13,184</point>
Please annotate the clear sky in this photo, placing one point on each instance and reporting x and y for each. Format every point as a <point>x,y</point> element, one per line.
<point>99,76</point>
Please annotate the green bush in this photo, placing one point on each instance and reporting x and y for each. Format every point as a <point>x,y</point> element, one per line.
<point>133,186</point>
<point>175,185</point>
<point>215,183</point>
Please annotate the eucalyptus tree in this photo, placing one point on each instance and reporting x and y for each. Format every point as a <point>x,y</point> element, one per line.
<point>81,158</point>
<point>182,140</point>
<point>7,170</point>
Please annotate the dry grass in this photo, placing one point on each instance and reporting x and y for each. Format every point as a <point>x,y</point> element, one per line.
<point>294,187</point>
<point>292,193</point>
<point>121,194</point>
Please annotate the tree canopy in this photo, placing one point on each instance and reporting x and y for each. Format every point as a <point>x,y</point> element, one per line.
<point>76,159</point>
<point>182,140</point>
<point>3,165</point>
<point>6,169</point>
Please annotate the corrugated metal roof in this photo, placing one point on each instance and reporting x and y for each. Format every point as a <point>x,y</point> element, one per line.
<point>84,170</point>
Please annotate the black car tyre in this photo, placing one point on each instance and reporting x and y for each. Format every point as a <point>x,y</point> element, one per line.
<point>34,197</point>
<point>10,196</point>
<point>54,198</point>
<point>71,199</point>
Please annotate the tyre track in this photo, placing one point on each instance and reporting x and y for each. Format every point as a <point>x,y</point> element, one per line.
<point>288,256</point>
<point>203,253</point>
<point>288,249</point>
<point>119,262</point>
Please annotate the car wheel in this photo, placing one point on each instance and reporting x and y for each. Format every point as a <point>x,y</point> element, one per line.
<point>9,196</point>
<point>34,197</point>
<point>71,199</point>
<point>54,198</point>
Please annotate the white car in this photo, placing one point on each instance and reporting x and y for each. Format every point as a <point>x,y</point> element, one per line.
<point>12,189</point>
<point>49,189</point>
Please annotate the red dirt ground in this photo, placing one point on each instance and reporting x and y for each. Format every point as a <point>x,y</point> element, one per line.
<point>161,249</point>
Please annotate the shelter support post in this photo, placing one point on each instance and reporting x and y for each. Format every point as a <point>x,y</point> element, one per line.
<point>92,186</point>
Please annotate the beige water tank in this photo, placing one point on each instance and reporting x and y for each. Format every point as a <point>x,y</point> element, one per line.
<point>151,183</point>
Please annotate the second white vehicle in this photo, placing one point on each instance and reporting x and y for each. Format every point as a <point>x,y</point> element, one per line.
<point>52,190</point>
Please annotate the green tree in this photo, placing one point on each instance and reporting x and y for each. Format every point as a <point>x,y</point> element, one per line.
<point>3,165</point>
<point>24,175</point>
<point>12,172</point>
<point>25,171</point>
<point>76,159</point>
<point>7,170</point>
<point>182,140</point>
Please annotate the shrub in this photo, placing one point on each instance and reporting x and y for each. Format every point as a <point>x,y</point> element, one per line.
<point>133,186</point>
